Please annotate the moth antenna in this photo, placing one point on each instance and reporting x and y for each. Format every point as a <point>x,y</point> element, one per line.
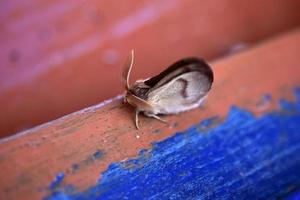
<point>128,67</point>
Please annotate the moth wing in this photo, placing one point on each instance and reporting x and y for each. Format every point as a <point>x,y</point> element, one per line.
<point>182,93</point>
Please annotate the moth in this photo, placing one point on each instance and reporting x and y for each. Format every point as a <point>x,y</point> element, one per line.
<point>181,87</point>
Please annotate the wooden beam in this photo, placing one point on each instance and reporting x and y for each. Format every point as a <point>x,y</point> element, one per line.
<point>76,149</point>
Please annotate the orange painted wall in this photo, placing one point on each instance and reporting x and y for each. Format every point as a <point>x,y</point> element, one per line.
<point>57,57</point>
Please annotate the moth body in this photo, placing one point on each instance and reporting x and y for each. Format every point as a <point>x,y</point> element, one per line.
<point>181,87</point>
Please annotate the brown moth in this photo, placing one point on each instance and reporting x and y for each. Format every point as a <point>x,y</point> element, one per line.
<point>181,87</point>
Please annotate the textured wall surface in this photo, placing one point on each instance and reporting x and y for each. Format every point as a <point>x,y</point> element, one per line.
<point>59,56</point>
<point>243,141</point>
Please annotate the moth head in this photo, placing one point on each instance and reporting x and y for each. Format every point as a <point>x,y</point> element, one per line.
<point>136,96</point>
<point>135,93</point>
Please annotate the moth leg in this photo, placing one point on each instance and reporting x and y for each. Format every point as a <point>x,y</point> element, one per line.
<point>156,117</point>
<point>137,119</point>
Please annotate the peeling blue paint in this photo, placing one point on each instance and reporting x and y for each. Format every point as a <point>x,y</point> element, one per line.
<point>98,154</point>
<point>91,158</point>
<point>264,102</point>
<point>242,157</point>
<point>267,98</point>
<point>294,196</point>
<point>209,123</point>
<point>75,167</point>
<point>57,181</point>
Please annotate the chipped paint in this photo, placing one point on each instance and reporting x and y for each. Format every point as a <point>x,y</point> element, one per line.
<point>57,181</point>
<point>293,196</point>
<point>242,157</point>
<point>98,154</point>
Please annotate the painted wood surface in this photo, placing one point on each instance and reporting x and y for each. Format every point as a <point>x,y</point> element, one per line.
<point>58,56</point>
<point>241,157</point>
<point>240,137</point>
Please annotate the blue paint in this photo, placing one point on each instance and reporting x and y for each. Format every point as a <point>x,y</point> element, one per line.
<point>294,196</point>
<point>243,157</point>
<point>209,123</point>
<point>75,167</point>
<point>267,98</point>
<point>98,154</point>
<point>57,181</point>
<point>264,102</point>
<point>89,160</point>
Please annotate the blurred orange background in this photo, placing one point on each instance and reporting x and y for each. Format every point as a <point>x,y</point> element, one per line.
<point>57,56</point>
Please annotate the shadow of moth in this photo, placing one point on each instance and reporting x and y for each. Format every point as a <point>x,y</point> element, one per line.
<point>181,87</point>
